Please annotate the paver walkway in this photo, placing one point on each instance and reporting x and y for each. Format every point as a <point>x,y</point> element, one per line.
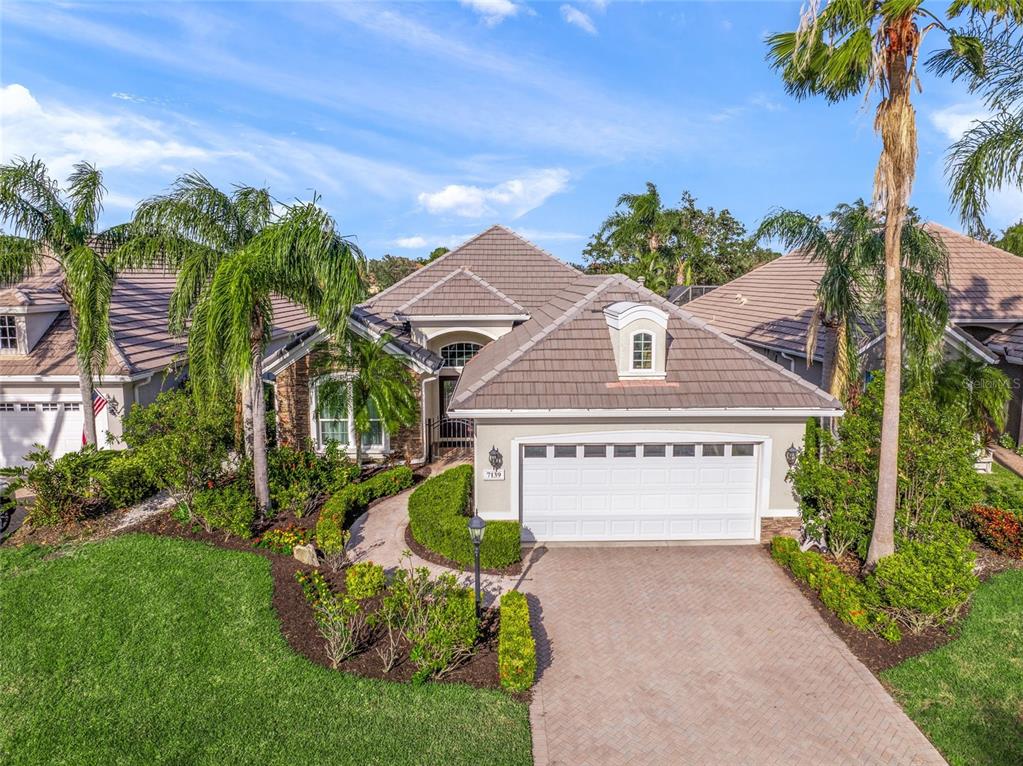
<point>699,655</point>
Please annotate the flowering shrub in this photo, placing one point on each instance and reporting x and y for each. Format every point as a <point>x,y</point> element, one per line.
<point>299,479</point>
<point>999,529</point>
<point>516,648</point>
<point>284,539</point>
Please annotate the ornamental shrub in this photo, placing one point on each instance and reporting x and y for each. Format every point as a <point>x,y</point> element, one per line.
<point>125,480</point>
<point>365,580</point>
<point>344,507</point>
<point>299,478</point>
<point>284,539</point>
<point>998,528</point>
<point>340,618</point>
<point>928,579</point>
<point>853,602</point>
<point>516,648</point>
<point>231,508</point>
<point>439,512</point>
<point>936,478</point>
<point>65,489</point>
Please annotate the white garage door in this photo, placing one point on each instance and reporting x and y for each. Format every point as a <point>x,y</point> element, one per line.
<point>678,491</point>
<point>55,425</point>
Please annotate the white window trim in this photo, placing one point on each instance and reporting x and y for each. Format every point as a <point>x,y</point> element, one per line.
<point>314,424</point>
<point>19,334</point>
<point>633,369</point>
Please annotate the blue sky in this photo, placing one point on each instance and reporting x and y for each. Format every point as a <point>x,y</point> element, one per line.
<point>421,124</point>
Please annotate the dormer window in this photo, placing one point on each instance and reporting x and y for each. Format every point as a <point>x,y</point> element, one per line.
<point>8,334</point>
<point>642,351</point>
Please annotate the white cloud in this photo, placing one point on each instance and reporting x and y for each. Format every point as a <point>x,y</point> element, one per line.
<point>956,119</point>
<point>410,243</point>
<point>577,18</point>
<point>493,12</point>
<point>513,198</point>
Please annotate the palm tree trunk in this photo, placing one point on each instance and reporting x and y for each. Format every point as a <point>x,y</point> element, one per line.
<point>86,387</point>
<point>260,477</point>
<point>830,349</point>
<point>246,419</point>
<point>897,125</point>
<point>840,375</point>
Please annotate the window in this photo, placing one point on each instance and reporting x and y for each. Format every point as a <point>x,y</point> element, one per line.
<point>642,351</point>
<point>457,354</point>
<point>683,450</point>
<point>8,333</point>
<point>50,406</point>
<point>27,407</point>
<point>595,450</point>
<point>625,450</point>
<point>713,450</point>
<point>565,450</point>
<point>6,406</point>
<point>335,426</point>
<point>534,452</point>
<point>653,450</point>
<point>72,406</point>
<point>742,450</point>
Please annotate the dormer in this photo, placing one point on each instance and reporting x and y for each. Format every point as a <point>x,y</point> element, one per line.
<point>639,337</point>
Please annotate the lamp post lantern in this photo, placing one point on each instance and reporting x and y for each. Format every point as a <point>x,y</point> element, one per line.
<point>476,528</point>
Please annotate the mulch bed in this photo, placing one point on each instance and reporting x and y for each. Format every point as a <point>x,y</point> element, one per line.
<point>878,654</point>
<point>296,616</point>
<point>443,561</point>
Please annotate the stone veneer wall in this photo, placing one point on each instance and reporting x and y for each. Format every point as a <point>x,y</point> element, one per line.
<point>788,526</point>
<point>294,394</point>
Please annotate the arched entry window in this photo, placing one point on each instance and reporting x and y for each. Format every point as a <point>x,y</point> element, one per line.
<point>457,354</point>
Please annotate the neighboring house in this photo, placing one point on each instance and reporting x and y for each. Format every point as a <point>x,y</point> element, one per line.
<point>769,309</point>
<point>596,410</point>
<point>40,402</point>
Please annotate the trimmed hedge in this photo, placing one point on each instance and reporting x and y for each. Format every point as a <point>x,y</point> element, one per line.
<point>851,600</point>
<point>438,514</point>
<point>344,507</point>
<point>516,648</point>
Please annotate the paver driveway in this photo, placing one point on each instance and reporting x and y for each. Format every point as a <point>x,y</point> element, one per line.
<point>699,655</point>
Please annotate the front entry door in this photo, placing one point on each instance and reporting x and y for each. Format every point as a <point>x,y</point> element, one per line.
<point>447,388</point>
<point>453,432</point>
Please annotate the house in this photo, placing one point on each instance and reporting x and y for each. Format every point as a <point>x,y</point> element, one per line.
<point>769,310</point>
<point>594,409</point>
<point>40,400</point>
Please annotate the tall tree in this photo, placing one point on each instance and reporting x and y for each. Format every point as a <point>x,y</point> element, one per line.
<point>47,225</point>
<point>672,245</point>
<point>233,253</point>
<point>370,383</point>
<point>846,48</point>
<point>384,272</point>
<point>989,155</point>
<point>850,246</point>
<point>436,253</point>
<point>1012,239</point>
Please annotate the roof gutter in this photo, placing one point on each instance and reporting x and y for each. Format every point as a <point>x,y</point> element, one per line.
<point>726,412</point>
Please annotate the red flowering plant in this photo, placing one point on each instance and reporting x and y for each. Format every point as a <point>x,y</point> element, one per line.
<point>999,529</point>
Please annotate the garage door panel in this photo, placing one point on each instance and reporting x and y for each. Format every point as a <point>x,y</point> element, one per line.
<point>57,426</point>
<point>650,497</point>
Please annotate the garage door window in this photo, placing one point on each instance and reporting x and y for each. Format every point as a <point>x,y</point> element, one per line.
<point>625,450</point>
<point>683,450</point>
<point>595,450</point>
<point>6,407</point>
<point>713,450</point>
<point>564,450</point>
<point>654,450</point>
<point>742,450</point>
<point>535,452</point>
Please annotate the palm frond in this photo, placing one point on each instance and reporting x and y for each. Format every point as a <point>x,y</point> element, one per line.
<point>30,202</point>
<point>19,256</point>
<point>89,282</point>
<point>988,156</point>
<point>85,190</point>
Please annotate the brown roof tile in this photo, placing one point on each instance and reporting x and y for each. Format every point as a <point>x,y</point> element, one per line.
<point>461,293</point>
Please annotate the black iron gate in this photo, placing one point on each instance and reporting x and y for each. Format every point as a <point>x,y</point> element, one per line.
<point>448,435</point>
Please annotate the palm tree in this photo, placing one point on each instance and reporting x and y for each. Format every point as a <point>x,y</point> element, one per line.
<point>845,48</point>
<point>990,154</point>
<point>190,230</point>
<point>299,256</point>
<point>851,248</point>
<point>975,391</point>
<point>372,384</point>
<point>47,227</point>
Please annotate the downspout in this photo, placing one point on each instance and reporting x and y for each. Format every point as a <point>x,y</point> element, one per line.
<point>790,360</point>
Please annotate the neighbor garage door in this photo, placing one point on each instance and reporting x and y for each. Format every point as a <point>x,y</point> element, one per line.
<point>659,491</point>
<point>55,425</point>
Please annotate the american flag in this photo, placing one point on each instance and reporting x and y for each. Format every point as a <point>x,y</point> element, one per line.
<point>98,403</point>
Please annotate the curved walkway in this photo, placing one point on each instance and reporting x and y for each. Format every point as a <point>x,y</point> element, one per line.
<point>678,655</point>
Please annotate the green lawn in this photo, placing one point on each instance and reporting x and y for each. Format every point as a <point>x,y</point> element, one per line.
<point>968,695</point>
<point>1002,478</point>
<point>149,650</point>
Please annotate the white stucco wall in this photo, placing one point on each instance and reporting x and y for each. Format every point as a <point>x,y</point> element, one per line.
<point>494,498</point>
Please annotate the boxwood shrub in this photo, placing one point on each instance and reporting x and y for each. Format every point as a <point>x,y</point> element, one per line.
<point>344,507</point>
<point>851,600</point>
<point>516,648</point>
<point>439,515</point>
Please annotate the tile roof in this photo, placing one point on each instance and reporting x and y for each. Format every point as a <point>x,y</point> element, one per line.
<point>140,339</point>
<point>462,293</point>
<point>1008,343</point>
<point>771,305</point>
<point>562,359</point>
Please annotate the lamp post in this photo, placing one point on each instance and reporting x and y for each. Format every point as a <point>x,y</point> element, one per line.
<point>476,527</point>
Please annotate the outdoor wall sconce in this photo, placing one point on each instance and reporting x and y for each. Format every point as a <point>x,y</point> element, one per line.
<point>791,454</point>
<point>496,458</point>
